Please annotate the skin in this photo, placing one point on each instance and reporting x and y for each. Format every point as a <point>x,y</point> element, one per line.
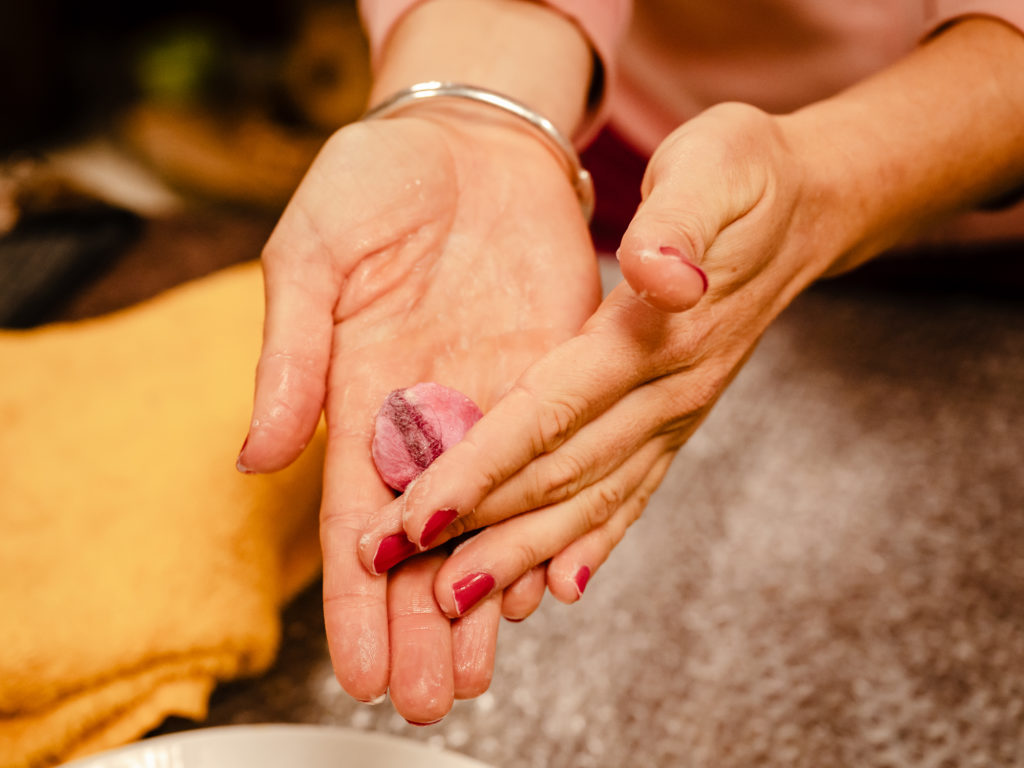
<point>764,205</point>
<point>374,284</point>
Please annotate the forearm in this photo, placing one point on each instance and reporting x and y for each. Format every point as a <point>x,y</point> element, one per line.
<point>940,132</point>
<point>522,49</point>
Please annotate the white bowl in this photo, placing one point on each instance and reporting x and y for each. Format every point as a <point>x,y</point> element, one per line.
<point>276,746</point>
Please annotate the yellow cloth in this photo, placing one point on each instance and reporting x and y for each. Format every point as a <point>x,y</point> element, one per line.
<point>137,567</point>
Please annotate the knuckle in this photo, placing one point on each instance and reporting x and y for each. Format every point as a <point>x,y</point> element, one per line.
<point>562,478</point>
<point>555,418</point>
<point>607,498</point>
<point>556,422</point>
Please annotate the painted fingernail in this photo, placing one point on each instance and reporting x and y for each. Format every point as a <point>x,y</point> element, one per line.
<point>424,725</point>
<point>470,590</point>
<point>238,462</point>
<point>393,550</point>
<point>582,577</point>
<point>670,251</point>
<point>437,523</point>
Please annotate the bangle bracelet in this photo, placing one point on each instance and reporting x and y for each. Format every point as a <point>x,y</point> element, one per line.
<point>580,179</point>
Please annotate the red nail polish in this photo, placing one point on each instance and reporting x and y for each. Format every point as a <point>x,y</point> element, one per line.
<point>391,551</point>
<point>470,590</point>
<point>670,251</point>
<point>423,725</point>
<point>582,577</point>
<point>437,523</point>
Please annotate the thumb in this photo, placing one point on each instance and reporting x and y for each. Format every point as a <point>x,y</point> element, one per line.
<point>692,190</point>
<point>660,256</point>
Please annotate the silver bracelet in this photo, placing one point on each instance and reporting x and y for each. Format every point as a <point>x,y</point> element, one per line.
<point>580,179</point>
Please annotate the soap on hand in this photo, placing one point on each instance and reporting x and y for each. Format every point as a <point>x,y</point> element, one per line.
<point>415,426</point>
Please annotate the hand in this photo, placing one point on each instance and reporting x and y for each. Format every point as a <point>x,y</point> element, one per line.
<point>568,458</point>
<point>445,246</point>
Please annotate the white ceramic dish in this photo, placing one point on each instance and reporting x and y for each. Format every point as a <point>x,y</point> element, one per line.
<point>276,746</point>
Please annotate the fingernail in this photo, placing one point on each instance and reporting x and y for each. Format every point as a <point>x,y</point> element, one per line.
<point>582,577</point>
<point>376,701</point>
<point>515,621</point>
<point>423,725</point>
<point>670,251</point>
<point>470,590</point>
<point>391,551</point>
<point>437,523</point>
<point>238,462</point>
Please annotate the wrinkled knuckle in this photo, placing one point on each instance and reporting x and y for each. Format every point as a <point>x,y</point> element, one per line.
<point>561,480</point>
<point>608,497</point>
<point>557,421</point>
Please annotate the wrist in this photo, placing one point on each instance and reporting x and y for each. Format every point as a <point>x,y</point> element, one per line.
<point>837,201</point>
<point>520,48</point>
<point>932,136</point>
<point>452,95</point>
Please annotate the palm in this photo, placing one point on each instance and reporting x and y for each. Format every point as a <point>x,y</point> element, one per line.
<point>483,268</point>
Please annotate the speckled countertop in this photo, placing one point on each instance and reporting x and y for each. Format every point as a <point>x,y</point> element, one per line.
<point>832,573</point>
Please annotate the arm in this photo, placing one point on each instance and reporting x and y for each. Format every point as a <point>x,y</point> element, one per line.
<point>940,132</point>
<point>483,43</point>
<point>764,205</point>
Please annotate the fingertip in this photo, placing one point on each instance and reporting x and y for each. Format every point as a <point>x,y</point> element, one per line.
<point>523,596</point>
<point>663,276</point>
<point>568,582</point>
<point>358,667</point>
<point>241,462</point>
<point>378,555</point>
<point>580,579</point>
<point>474,643</point>
<point>270,446</point>
<point>429,532</point>
<point>459,597</point>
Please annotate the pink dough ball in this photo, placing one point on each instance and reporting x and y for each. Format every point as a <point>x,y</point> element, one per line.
<point>416,425</point>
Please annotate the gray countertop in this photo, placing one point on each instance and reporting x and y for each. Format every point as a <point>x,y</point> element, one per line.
<point>832,573</point>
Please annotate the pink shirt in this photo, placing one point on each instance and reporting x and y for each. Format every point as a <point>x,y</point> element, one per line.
<point>668,60</point>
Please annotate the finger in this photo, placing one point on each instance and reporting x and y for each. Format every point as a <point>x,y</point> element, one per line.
<point>571,570</point>
<point>500,554</point>
<point>384,543</point>
<point>524,595</point>
<point>422,684</point>
<point>596,450</point>
<point>291,373</point>
<point>554,398</point>
<point>355,608</point>
<point>474,643</point>
<point>689,196</point>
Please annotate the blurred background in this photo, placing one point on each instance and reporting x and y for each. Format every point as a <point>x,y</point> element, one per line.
<point>142,144</point>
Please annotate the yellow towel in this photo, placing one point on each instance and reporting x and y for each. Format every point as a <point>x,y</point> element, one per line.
<point>137,567</point>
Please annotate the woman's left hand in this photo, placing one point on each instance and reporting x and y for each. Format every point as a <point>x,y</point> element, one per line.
<point>561,465</point>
